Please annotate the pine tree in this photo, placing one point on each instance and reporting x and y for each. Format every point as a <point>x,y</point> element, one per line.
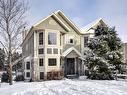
<point>103,56</point>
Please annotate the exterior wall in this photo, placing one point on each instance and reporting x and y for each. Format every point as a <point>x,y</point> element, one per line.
<point>77,41</point>
<point>28,53</point>
<point>28,47</point>
<point>50,23</point>
<point>45,56</point>
<point>124,52</point>
<point>82,41</point>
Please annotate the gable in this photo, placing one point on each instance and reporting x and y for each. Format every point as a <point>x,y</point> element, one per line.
<point>68,22</point>
<point>50,23</point>
<point>94,24</point>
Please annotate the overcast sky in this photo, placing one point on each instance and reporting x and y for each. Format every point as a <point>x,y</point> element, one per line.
<point>83,12</point>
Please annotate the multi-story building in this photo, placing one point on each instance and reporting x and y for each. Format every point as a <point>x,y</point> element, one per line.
<point>55,43</point>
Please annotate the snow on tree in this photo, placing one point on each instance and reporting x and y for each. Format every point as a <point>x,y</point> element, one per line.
<point>103,55</point>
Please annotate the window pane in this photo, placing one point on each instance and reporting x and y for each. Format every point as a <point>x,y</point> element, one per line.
<point>27,74</point>
<point>52,38</point>
<point>52,62</point>
<point>41,51</point>
<point>55,51</point>
<point>28,65</point>
<point>49,51</point>
<point>71,41</point>
<point>41,62</point>
<point>85,41</point>
<point>41,38</point>
<point>41,75</point>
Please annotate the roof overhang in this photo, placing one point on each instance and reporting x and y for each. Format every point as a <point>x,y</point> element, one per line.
<point>65,53</point>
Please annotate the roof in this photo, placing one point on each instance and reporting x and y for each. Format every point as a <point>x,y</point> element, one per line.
<point>57,18</point>
<point>91,25</point>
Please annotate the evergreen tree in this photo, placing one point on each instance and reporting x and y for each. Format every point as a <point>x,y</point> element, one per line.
<point>103,56</point>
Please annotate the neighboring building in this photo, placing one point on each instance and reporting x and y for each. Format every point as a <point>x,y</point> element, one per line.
<point>55,43</point>
<point>124,53</point>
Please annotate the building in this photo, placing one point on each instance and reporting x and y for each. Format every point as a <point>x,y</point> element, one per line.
<point>55,43</point>
<point>124,59</point>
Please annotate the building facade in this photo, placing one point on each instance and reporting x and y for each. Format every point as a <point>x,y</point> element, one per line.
<point>53,44</point>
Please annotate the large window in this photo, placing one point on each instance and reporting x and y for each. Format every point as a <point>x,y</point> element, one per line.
<point>41,62</point>
<point>52,62</point>
<point>41,51</point>
<point>52,38</point>
<point>41,38</point>
<point>28,65</point>
<point>86,41</point>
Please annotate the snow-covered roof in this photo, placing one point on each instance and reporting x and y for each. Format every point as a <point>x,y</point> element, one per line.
<point>87,28</point>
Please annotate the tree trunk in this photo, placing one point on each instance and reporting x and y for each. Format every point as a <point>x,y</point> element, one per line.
<point>9,60</point>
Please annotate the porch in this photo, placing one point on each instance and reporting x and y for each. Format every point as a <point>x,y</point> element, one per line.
<point>73,65</point>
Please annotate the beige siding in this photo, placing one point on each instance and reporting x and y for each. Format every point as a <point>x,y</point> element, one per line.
<point>50,23</point>
<point>28,47</point>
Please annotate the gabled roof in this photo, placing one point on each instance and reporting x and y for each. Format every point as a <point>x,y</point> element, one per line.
<point>92,25</point>
<point>70,50</point>
<point>56,18</point>
<point>59,20</point>
<point>72,24</point>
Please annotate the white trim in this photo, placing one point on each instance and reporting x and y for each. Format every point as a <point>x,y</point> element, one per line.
<point>61,22</point>
<point>68,20</point>
<point>42,20</point>
<point>53,14</point>
<point>69,50</point>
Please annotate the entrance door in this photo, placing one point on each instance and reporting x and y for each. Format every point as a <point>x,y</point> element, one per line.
<point>70,66</point>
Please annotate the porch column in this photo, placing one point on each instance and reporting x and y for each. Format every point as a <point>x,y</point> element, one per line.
<point>77,66</point>
<point>65,66</point>
<point>83,70</point>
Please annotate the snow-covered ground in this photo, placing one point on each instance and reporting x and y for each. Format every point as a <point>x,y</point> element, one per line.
<point>66,87</point>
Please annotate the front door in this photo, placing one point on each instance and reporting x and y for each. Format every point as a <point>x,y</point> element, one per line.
<point>70,66</point>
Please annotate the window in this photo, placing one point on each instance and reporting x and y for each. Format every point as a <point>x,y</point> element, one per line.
<point>28,65</point>
<point>41,51</point>
<point>85,41</point>
<point>41,75</point>
<point>41,38</point>
<point>41,62</point>
<point>52,62</point>
<point>55,51</point>
<point>27,74</point>
<point>71,41</point>
<point>49,51</point>
<point>52,38</point>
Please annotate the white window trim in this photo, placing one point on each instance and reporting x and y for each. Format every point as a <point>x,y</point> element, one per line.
<point>48,39</point>
<point>67,39</point>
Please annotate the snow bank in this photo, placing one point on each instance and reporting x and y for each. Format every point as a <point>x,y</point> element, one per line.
<point>66,87</point>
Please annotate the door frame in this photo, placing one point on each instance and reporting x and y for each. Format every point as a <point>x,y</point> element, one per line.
<point>73,67</point>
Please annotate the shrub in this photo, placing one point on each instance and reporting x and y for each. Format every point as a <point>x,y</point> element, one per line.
<point>5,77</point>
<point>19,78</point>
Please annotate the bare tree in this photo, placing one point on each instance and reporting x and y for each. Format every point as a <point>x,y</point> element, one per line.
<point>12,23</point>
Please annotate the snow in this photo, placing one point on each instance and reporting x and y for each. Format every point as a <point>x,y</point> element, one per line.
<point>66,87</point>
